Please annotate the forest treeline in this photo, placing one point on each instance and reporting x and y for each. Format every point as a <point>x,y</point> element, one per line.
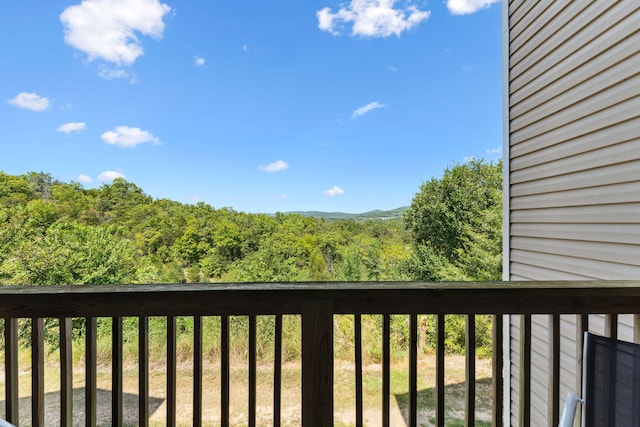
<point>56,233</point>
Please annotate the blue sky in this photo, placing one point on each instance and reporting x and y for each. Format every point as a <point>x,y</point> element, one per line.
<point>261,106</point>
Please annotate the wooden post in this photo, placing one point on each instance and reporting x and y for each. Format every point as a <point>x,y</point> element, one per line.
<point>277,373</point>
<point>554,369</point>
<point>91,372</point>
<point>470,369</point>
<point>172,377</point>
<point>117,414</point>
<point>317,363</point>
<point>525,370</point>
<point>66,371</point>
<point>440,349</point>
<point>497,369</point>
<point>413,370</point>
<point>37,372</point>
<point>143,371</point>
<point>11,370</point>
<point>197,371</point>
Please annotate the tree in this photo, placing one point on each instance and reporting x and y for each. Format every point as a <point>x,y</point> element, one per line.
<point>41,184</point>
<point>117,200</point>
<point>14,190</point>
<point>456,226</point>
<point>70,201</point>
<point>73,254</point>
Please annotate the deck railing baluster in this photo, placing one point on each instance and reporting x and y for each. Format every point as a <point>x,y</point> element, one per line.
<point>357,329</point>
<point>143,371</point>
<point>470,371</point>
<point>277,372</point>
<point>224,371</point>
<point>116,372</point>
<point>11,370</point>
<point>37,372</point>
<point>386,368</point>
<point>197,371</point>
<point>66,371</point>
<point>413,370</point>
<point>171,371</point>
<point>611,325</point>
<point>440,385</point>
<point>554,372</point>
<point>91,372</point>
<point>252,371</point>
<point>525,370</point>
<point>496,370</point>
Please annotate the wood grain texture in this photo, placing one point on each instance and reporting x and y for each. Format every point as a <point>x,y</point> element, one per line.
<point>571,297</point>
<point>317,364</point>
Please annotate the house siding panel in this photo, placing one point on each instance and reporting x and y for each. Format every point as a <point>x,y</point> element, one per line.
<point>573,159</point>
<point>625,213</point>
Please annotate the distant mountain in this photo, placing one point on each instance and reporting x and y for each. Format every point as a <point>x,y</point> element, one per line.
<point>375,214</point>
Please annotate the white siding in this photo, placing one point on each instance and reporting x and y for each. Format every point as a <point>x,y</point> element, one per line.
<point>573,154</point>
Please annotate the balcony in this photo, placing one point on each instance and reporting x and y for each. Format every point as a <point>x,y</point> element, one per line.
<point>317,304</point>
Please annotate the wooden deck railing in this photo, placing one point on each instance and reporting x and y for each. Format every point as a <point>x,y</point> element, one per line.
<point>317,304</point>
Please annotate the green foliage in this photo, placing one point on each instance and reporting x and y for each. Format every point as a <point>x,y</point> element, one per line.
<point>56,233</point>
<point>14,190</point>
<point>454,325</point>
<point>71,254</point>
<point>51,228</point>
<point>456,225</point>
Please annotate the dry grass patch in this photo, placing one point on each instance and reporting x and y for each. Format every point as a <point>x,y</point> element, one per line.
<point>344,388</point>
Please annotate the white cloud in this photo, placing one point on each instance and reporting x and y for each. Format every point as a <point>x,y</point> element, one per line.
<point>334,191</point>
<point>469,159</point>
<point>245,47</point>
<point>281,196</point>
<point>199,61</point>
<point>106,29</point>
<point>463,7</point>
<point>371,18</point>
<point>109,73</point>
<point>30,101</point>
<point>277,166</point>
<point>496,150</point>
<point>366,108</point>
<point>194,198</point>
<point>126,136</point>
<point>72,127</point>
<point>110,176</point>
<point>85,179</point>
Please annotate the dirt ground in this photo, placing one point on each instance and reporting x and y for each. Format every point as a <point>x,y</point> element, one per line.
<point>344,389</point>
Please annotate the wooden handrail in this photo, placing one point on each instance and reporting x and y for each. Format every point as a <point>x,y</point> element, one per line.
<point>615,297</point>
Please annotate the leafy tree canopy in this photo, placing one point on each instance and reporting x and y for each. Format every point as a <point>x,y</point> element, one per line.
<point>456,224</point>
